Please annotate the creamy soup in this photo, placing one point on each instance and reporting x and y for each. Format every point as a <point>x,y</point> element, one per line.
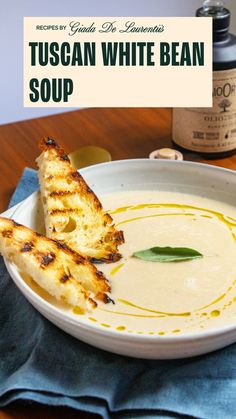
<point>166,298</point>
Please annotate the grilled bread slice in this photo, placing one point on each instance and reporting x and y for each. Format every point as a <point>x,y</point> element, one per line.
<point>61,272</point>
<point>73,214</point>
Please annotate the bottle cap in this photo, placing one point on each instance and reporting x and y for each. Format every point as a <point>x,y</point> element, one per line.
<point>166,154</point>
<point>220,14</point>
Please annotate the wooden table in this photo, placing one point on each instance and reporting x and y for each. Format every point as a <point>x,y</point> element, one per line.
<point>126,133</point>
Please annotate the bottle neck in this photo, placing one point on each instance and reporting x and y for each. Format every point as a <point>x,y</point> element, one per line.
<point>220,37</point>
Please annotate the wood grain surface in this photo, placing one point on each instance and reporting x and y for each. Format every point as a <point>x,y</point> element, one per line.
<point>125,132</point>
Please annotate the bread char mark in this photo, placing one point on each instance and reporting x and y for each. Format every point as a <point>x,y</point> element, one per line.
<point>46,258</point>
<point>71,177</point>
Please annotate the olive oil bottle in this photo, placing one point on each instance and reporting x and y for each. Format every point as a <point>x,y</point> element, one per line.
<point>212,131</point>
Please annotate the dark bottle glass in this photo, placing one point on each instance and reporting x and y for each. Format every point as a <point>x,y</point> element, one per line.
<point>213,131</point>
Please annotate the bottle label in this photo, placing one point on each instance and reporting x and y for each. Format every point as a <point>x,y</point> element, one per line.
<point>210,130</point>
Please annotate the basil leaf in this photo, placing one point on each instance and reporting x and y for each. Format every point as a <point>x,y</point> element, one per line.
<point>168,254</point>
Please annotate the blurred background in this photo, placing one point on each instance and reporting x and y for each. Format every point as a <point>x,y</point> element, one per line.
<point>11,38</point>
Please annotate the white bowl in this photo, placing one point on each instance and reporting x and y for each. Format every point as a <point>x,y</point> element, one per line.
<point>193,178</point>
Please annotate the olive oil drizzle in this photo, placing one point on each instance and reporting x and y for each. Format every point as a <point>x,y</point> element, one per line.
<point>229,221</point>
<point>116,269</point>
<point>210,214</point>
<point>163,313</point>
<point>134,314</point>
<point>130,304</point>
<point>129,220</point>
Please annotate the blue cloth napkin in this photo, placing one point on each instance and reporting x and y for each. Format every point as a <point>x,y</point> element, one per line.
<point>39,362</point>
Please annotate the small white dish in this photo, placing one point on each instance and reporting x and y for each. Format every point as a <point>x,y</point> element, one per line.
<point>126,175</point>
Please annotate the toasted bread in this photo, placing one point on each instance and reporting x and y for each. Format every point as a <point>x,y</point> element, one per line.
<point>73,213</point>
<point>59,270</point>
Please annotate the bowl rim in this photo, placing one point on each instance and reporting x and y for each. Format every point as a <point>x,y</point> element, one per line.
<point>207,166</point>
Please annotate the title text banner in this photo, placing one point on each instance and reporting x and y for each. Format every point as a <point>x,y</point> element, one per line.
<point>128,61</point>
